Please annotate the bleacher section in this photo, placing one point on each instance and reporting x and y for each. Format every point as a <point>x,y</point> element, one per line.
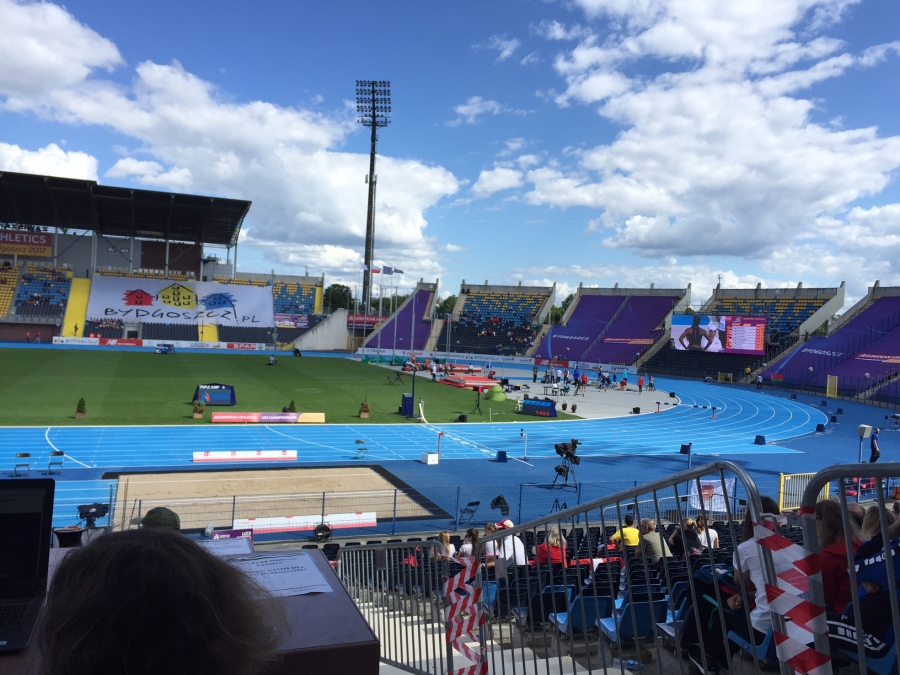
<point>169,331</point>
<point>242,282</point>
<point>867,344</point>
<point>147,274</point>
<point>494,322</point>
<point>9,277</point>
<point>785,311</point>
<point>634,330</point>
<point>398,331</point>
<point>44,291</point>
<point>610,327</point>
<point>98,330</point>
<point>245,334</point>
<point>293,298</point>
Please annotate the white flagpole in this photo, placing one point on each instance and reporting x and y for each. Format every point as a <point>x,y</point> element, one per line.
<point>380,294</point>
<point>394,322</point>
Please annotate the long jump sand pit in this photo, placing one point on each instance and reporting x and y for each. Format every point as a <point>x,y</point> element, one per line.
<point>201,497</point>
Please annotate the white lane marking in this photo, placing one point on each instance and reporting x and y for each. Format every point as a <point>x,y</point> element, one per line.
<point>47,438</point>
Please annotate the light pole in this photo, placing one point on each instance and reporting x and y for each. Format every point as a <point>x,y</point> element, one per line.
<point>373,104</point>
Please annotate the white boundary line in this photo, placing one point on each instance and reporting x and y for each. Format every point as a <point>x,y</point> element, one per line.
<point>47,438</point>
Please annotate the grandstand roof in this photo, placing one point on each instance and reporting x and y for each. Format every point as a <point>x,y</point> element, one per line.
<point>27,199</point>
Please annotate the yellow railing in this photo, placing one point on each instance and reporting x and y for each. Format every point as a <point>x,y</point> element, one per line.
<point>791,487</point>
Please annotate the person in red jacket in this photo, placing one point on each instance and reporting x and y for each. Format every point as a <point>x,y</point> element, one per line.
<point>553,550</point>
<point>833,554</point>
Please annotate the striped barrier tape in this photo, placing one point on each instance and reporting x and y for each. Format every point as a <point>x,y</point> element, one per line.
<point>795,567</point>
<point>465,615</point>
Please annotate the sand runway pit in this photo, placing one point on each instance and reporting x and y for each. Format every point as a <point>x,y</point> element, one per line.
<point>201,497</point>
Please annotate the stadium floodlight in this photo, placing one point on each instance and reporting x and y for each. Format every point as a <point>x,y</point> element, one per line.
<point>373,107</point>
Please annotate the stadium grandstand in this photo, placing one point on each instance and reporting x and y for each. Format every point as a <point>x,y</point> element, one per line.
<point>409,327</point>
<point>858,357</point>
<point>494,320</point>
<point>622,569</point>
<point>68,243</point>
<point>612,325</point>
<point>790,315</point>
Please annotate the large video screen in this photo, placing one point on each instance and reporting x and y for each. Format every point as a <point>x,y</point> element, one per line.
<point>710,333</point>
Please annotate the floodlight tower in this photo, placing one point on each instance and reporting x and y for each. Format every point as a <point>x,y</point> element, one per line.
<point>373,105</point>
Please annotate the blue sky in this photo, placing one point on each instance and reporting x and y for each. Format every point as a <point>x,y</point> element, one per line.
<point>594,141</point>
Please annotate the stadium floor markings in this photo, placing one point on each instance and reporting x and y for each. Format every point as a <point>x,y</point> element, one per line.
<point>740,416</point>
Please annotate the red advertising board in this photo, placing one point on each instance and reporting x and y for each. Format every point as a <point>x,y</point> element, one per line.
<point>18,242</point>
<point>252,346</point>
<point>121,342</point>
<point>364,321</point>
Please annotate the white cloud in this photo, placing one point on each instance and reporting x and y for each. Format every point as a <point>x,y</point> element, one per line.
<point>151,173</point>
<point>554,30</point>
<point>454,248</point>
<point>45,47</point>
<point>718,154</point>
<point>506,47</point>
<point>494,180</point>
<point>531,57</point>
<point>194,136</point>
<point>49,161</point>
<point>511,145</point>
<point>475,106</point>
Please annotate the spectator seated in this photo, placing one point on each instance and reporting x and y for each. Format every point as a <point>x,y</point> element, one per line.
<point>494,323</point>
<point>105,328</point>
<point>44,291</point>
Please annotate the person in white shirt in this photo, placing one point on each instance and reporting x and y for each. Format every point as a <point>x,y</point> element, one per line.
<point>449,550</point>
<point>510,547</point>
<point>708,536</point>
<point>467,548</point>
<point>748,572</point>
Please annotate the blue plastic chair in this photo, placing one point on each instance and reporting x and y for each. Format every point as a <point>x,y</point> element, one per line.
<point>622,626</point>
<point>583,614</point>
<point>765,650</point>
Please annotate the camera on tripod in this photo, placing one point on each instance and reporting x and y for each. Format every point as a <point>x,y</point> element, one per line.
<point>569,460</point>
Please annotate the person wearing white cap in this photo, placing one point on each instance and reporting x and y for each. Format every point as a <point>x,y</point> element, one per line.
<point>511,547</point>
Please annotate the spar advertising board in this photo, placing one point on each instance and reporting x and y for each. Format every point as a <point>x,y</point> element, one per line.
<point>187,302</point>
<point>18,242</point>
<point>728,334</point>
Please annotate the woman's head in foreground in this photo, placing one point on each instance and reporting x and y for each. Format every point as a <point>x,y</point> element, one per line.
<point>148,602</point>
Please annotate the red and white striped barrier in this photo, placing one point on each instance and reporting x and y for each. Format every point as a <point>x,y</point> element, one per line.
<point>794,568</point>
<point>464,616</point>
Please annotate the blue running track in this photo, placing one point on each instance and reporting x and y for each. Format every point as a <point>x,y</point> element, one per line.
<point>741,414</point>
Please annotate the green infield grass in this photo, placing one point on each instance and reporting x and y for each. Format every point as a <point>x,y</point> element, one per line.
<point>41,387</point>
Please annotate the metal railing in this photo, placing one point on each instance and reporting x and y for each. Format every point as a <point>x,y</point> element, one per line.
<point>398,589</point>
<point>854,634</point>
<point>401,510</point>
<point>616,609</point>
<point>606,609</point>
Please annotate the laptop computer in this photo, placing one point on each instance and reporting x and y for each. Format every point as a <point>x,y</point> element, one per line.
<point>26,513</point>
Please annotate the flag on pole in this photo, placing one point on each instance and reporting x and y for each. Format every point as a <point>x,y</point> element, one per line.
<point>376,270</point>
<point>387,270</point>
<point>398,271</point>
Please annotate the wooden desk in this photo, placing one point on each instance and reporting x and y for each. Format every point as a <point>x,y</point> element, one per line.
<point>326,634</point>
